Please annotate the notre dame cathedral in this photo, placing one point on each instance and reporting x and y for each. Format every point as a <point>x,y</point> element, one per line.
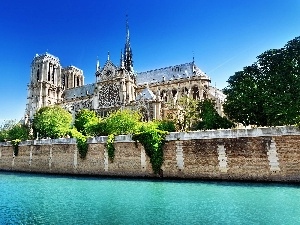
<point>155,93</point>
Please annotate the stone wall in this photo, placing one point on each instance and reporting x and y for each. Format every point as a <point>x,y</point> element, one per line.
<point>261,154</point>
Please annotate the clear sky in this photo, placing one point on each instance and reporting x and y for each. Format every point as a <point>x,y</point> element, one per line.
<point>223,35</point>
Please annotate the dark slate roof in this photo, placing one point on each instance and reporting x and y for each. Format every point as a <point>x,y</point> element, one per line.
<point>170,73</point>
<point>78,92</point>
<point>146,94</point>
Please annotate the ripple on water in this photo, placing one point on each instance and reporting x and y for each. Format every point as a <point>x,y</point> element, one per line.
<point>37,199</point>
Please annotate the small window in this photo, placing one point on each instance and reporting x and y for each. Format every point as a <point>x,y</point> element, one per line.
<point>195,91</point>
<point>38,75</point>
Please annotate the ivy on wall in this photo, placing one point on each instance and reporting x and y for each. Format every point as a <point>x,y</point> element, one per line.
<point>153,141</point>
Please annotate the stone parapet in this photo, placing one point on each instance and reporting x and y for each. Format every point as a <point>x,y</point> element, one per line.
<point>260,154</point>
<point>234,133</point>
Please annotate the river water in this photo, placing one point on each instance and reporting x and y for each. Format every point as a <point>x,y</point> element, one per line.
<point>49,199</point>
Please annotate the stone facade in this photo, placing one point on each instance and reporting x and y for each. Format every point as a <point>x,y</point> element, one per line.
<point>155,93</point>
<point>262,154</point>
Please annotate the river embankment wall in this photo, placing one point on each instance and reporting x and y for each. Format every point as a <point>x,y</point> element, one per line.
<point>260,154</point>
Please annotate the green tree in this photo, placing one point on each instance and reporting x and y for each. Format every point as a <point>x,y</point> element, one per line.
<point>4,128</point>
<point>187,113</point>
<point>210,119</point>
<point>122,122</point>
<point>52,121</point>
<point>166,125</point>
<point>268,92</point>
<point>11,130</point>
<point>84,120</point>
<point>118,122</point>
<point>18,132</point>
<point>244,97</point>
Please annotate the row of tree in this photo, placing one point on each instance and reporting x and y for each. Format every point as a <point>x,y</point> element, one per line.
<point>55,122</point>
<point>267,93</point>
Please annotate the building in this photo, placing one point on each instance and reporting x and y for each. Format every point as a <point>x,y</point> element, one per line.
<point>155,93</point>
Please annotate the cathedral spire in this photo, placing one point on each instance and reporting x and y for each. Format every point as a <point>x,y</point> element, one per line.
<point>127,32</point>
<point>127,50</point>
<point>122,60</point>
<point>97,64</point>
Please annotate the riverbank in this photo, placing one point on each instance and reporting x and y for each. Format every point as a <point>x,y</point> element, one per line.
<point>260,154</point>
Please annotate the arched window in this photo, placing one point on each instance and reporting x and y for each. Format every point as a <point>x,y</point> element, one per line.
<point>185,91</point>
<point>174,92</point>
<point>63,80</point>
<point>67,81</point>
<point>144,112</point>
<point>163,95</point>
<point>50,65</point>
<point>53,72</point>
<point>195,91</point>
<point>38,75</point>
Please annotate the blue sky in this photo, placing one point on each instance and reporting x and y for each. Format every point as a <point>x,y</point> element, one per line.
<point>223,35</point>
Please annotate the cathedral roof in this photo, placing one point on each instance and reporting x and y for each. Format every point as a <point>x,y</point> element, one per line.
<point>171,73</point>
<point>78,92</point>
<point>146,94</point>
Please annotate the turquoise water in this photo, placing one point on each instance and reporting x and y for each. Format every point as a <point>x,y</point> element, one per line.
<point>42,199</point>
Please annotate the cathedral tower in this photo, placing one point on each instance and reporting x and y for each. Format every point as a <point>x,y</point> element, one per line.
<point>45,83</point>
<point>72,77</point>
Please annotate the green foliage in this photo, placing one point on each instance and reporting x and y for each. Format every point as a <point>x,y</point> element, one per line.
<point>122,122</point>
<point>210,119</point>
<point>15,143</point>
<point>14,132</point>
<point>187,113</point>
<point>52,121</point>
<point>18,132</point>
<point>110,146</point>
<point>267,93</point>
<point>98,129</point>
<point>85,120</point>
<point>119,122</point>
<point>81,141</point>
<point>4,128</point>
<point>166,125</point>
<point>153,141</point>
<point>3,136</point>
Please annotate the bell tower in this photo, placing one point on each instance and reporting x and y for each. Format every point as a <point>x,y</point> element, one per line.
<point>45,87</point>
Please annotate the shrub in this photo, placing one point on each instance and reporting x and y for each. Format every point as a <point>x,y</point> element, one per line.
<point>166,125</point>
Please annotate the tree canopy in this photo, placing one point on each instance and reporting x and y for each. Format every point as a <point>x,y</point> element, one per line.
<point>267,93</point>
<point>84,119</point>
<point>11,130</point>
<point>210,119</point>
<point>52,122</point>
